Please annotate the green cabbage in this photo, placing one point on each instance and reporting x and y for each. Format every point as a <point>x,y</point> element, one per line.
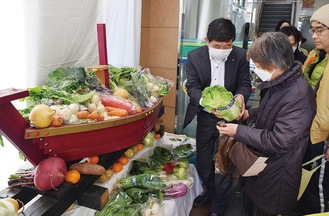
<point>219,98</point>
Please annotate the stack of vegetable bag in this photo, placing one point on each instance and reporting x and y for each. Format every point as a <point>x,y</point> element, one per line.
<point>141,84</point>
<point>219,98</point>
<point>164,174</point>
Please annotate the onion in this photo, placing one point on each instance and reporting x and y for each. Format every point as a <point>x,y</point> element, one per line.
<point>8,207</point>
<point>74,108</point>
<point>66,113</point>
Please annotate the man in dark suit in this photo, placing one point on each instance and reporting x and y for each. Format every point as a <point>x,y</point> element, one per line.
<point>217,63</point>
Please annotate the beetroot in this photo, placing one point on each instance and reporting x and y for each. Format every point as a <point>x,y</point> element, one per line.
<point>50,173</point>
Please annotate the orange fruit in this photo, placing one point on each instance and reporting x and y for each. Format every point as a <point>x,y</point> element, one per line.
<point>117,167</point>
<point>140,146</point>
<point>93,159</point>
<point>72,176</point>
<point>123,160</point>
<point>157,136</point>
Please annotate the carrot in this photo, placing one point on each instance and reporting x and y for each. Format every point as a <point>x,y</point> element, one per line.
<point>88,168</point>
<point>109,108</point>
<point>118,102</point>
<point>57,121</point>
<point>94,115</point>
<point>82,114</point>
<point>117,112</point>
<point>101,117</point>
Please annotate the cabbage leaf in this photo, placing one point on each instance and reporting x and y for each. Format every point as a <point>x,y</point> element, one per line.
<point>219,98</point>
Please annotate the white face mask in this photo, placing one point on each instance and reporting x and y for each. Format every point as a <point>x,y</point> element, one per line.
<point>219,54</point>
<point>264,75</point>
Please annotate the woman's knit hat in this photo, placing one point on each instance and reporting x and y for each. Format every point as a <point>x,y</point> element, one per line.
<point>321,15</point>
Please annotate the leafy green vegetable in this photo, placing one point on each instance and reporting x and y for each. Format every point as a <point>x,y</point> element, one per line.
<point>121,75</point>
<point>65,86</point>
<point>142,181</point>
<point>120,204</point>
<point>145,166</point>
<point>164,88</point>
<point>141,195</point>
<point>217,97</point>
<point>73,80</point>
<point>162,155</point>
<point>77,98</point>
<point>183,151</point>
<point>137,86</point>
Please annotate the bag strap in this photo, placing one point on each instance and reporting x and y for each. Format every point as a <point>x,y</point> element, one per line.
<point>314,159</point>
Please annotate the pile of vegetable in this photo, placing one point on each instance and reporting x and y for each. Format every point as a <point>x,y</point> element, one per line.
<point>76,96</point>
<point>120,203</point>
<point>51,172</point>
<point>219,98</point>
<point>142,85</point>
<point>150,180</point>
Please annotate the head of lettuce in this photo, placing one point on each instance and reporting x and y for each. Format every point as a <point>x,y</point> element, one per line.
<point>219,98</point>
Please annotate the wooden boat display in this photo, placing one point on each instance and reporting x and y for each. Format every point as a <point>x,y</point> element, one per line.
<point>71,142</point>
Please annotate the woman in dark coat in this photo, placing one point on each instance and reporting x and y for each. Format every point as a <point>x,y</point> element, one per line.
<point>282,124</point>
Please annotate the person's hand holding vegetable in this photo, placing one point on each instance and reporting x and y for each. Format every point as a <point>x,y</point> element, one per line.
<point>240,99</point>
<point>217,114</point>
<point>221,103</point>
<point>227,128</point>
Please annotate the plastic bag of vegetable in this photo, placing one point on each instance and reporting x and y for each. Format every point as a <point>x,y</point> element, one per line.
<point>162,155</point>
<point>141,195</point>
<point>137,86</point>
<point>153,207</point>
<point>183,151</point>
<point>144,165</point>
<point>148,139</point>
<point>149,181</point>
<point>175,190</point>
<point>219,98</point>
<point>180,172</point>
<point>120,204</point>
<point>164,85</point>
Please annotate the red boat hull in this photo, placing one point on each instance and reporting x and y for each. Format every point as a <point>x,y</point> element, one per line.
<point>72,142</point>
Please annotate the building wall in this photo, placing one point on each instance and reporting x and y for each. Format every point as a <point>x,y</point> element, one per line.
<point>159,48</point>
